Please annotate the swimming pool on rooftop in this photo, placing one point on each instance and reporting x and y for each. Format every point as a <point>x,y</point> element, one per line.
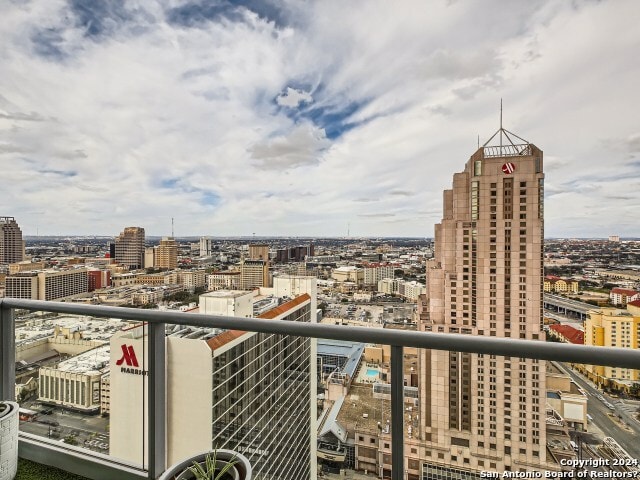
<point>372,372</point>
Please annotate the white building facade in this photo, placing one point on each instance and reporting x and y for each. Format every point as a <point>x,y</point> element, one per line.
<point>251,392</point>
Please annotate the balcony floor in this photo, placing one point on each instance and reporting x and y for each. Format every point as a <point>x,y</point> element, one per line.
<point>28,470</point>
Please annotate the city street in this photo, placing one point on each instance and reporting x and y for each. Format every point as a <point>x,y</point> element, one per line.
<point>628,439</point>
<point>89,431</point>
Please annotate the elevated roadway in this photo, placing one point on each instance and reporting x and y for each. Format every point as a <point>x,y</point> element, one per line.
<point>566,306</point>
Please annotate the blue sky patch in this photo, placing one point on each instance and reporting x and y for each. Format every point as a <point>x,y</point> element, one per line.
<point>99,18</point>
<point>207,197</point>
<point>195,14</point>
<point>210,198</point>
<point>169,183</point>
<point>334,119</point>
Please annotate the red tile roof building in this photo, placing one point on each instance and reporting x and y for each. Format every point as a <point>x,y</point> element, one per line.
<point>622,296</point>
<point>567,334</point>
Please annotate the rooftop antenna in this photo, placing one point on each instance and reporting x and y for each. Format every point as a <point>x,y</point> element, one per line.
<point>348,229</point>
<point>501,126</point>
<point>516,145</point>
<point>172,235</point>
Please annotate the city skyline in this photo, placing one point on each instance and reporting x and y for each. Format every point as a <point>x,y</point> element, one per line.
<point>319,120</point>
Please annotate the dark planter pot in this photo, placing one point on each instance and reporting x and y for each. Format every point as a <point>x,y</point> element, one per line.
<point>241,469</point>
<point>8,440</point>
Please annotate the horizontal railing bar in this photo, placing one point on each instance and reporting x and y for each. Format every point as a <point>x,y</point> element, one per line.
<point>606,356</point>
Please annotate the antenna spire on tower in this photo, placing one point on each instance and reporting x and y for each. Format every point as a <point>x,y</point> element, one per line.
<point>172,235</point>
<point>500,125</point>
<point>515,145</point>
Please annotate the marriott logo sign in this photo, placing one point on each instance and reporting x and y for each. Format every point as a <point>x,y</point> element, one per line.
<point>130,361</point>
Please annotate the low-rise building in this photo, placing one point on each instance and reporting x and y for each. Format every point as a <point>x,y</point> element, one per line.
<point>388,286</point>
<point>122,279</point>
<point>560,285</point>
<point>227,280</point>
<point>567,334</point>
<point>162,278</point>
<point>192,278</point>
<point>75,383</point>
<point>622,296</point>
<point>411,290</point>
<point>564,396</point>
<point>348,274</point>
<point>105,395</point>
<point>148,295</point>
<point>47,284</point>
<point>98,279</point>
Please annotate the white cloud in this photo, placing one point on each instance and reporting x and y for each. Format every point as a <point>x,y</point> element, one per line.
<point>121,117</point>
<point>304,145</point>
<point>292,98</point>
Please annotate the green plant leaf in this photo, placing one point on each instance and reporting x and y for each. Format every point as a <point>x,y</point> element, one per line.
<point>208,472</point>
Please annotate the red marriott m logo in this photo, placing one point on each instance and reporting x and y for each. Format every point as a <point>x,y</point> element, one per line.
<point>128,356</point>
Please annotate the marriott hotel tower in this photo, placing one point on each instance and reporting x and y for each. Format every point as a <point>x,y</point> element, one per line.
<point>486,412</point>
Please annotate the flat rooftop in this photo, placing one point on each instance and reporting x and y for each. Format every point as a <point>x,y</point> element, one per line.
<point>91,328</point>
<point>226,293</point>
<point>94,361</point>
<point>359,402</point>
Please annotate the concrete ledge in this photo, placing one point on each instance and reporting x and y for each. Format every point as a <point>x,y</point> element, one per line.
<point>75,460</point>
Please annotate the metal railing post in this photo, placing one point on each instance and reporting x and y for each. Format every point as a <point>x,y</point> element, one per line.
<point>7,353</point>
<point>156,445</point>
<point>397,412</point>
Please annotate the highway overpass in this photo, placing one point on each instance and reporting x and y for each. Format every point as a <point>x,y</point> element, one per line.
<point>566,306</point>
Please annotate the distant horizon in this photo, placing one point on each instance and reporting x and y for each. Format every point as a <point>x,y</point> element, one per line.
<point>301,237</point>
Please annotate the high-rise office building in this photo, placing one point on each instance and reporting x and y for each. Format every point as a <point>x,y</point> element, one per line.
<point>254,274</point>
<point>206,247</point>
<point>129,248</point>
<point>11,245</point>
<point>259,252</point>
<point>167,253</point>
<point>485,412</point>
<point>294,254</point>
<point>254,393</point>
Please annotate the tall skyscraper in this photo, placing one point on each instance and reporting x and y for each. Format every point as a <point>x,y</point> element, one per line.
<point>11,245</point>
<point>167,253</point>
<point>129,247</point>
<point>486,412</point>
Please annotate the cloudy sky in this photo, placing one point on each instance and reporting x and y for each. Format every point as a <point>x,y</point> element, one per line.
<point>309,118</point>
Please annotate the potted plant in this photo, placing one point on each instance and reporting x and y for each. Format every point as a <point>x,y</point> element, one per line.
<point>8,440</point>
<point>214,465</point>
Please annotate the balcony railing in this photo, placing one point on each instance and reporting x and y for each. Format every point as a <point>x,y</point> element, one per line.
<point>97,466</point>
